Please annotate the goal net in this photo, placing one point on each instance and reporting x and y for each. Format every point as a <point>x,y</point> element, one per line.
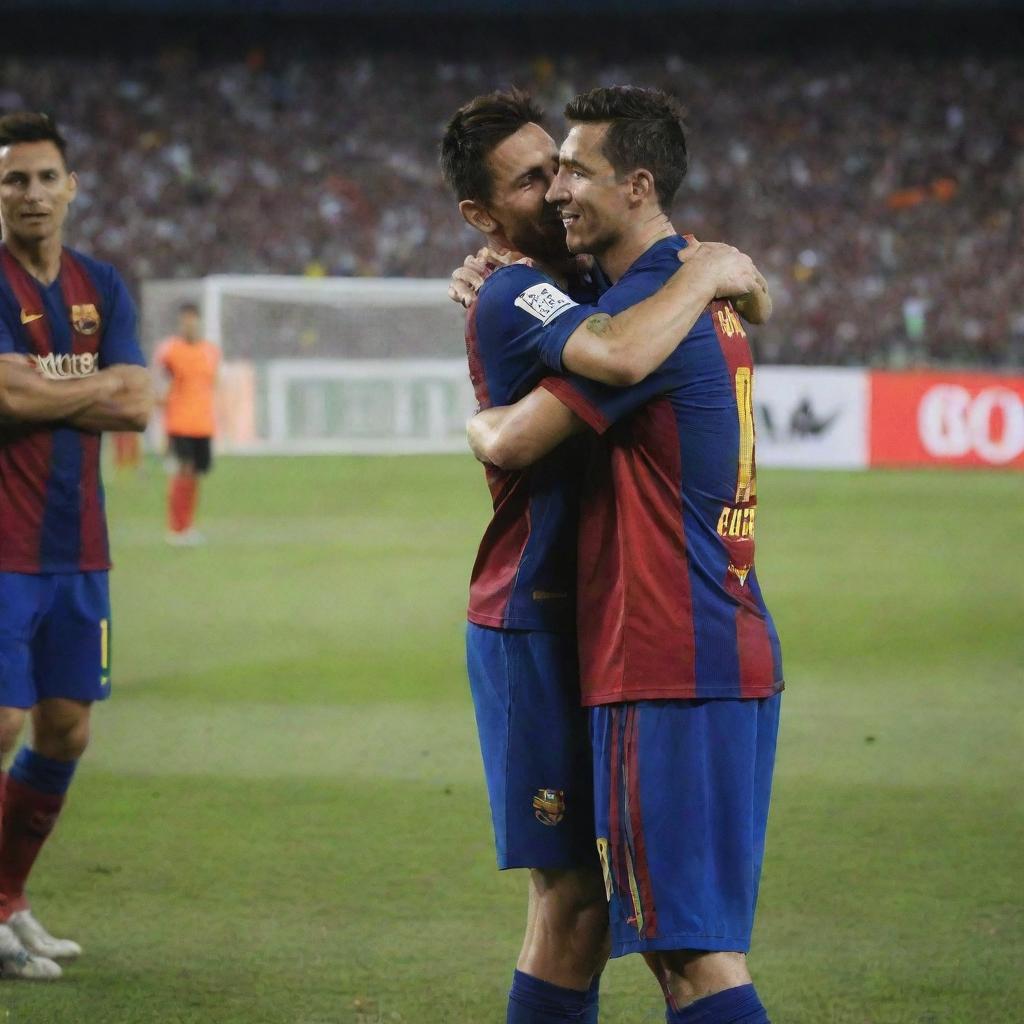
<point>311,365</point>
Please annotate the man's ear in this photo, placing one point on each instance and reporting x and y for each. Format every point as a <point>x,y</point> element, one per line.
<point>641,186</point>
<point>476,216</point>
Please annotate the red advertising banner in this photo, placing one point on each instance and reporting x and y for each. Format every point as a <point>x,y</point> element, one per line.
<point>954,419</point>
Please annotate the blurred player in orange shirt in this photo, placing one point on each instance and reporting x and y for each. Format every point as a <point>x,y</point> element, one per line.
<point>191,364</point>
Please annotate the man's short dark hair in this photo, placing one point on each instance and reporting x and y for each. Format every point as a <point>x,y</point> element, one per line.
<point>645,130</point>
<point>188,307</point>
<point>476,129</point>
<point>27,126</point>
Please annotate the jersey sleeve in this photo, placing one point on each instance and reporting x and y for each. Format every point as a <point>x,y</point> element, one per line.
<point>601,405</point>
<point>120,342</point>
<point>523,313</point>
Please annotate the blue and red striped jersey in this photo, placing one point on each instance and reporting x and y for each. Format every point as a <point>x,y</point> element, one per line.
<point>52,515</point>
<point>669,602</point>
<point>524,576</point>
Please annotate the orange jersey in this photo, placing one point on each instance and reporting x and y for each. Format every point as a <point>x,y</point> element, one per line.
<point>192,366</point>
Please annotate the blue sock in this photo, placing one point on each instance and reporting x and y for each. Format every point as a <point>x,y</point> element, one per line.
<point>733,1006</point>
<point>532,1001</point>
<point>43,774</point>
<point>590,1002</point>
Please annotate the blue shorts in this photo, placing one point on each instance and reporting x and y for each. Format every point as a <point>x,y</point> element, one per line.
<point>681,796</point>
<point>54,637</point>
<point>535,746</point>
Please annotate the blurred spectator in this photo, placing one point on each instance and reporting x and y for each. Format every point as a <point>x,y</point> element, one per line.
<point>883,198</point>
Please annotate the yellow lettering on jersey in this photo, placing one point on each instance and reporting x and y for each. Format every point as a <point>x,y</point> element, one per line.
<point>737,522</point>
<point>745,412</point>
<point>730,322</point>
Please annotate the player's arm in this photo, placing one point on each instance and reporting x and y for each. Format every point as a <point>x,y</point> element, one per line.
<point>28,397</point>
<point>127,409</point>
<point>516,436</point>
<point>623,349</point>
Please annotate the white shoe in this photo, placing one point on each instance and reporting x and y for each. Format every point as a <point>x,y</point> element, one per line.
<point>17,962</point>
<point>185,538</point>
<point>38,941</point>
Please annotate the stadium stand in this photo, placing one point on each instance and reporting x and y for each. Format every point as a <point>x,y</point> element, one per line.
<point>883,197</point>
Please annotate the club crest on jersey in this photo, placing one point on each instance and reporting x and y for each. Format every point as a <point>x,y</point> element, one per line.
<point>549,806</point>
<point>85,318</point>
<point>58,366</point>
<point>544,301</point>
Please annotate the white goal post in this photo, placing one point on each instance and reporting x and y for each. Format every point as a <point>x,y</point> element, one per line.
<point>329,365</point>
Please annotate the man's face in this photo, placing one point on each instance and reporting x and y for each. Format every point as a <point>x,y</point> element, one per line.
<point>35,191</point>
<point>592,201</point>
<point>188,324</point>
<point>523,168</point>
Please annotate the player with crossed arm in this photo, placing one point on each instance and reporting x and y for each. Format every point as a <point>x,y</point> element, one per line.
<point>680,661</point>
<point>70,367</point>
<point>521,645</point>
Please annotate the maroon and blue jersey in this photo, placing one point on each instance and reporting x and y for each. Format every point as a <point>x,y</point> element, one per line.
<point>525,571</point>
<point>669,602</point>
<point>52,517</point>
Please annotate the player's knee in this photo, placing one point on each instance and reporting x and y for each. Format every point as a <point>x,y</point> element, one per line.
<point>690,974</point>
<point>61,733</point>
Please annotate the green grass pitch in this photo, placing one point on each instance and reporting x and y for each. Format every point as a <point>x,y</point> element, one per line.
<point>282,817</point>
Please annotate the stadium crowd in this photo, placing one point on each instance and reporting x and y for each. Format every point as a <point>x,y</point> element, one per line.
<point>883,198</point>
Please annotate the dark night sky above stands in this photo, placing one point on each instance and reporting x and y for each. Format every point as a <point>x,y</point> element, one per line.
<point>517,9</point>
<point>597,26</point>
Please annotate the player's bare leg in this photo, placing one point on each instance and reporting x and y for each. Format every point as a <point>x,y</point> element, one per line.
<point>182,498</point>
<point>60,734</point>
<point>60,728</point>
<point>566,942</point>
<point>720,982</point>
<point>566,939</point>
<point>16,961</point>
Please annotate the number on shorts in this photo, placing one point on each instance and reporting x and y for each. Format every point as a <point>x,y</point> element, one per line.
<point>104,644</point>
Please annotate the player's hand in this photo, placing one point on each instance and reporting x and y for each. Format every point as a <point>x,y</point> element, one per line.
<point>468,279</point>
<point>729,272</point>
<point>20,359</point>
